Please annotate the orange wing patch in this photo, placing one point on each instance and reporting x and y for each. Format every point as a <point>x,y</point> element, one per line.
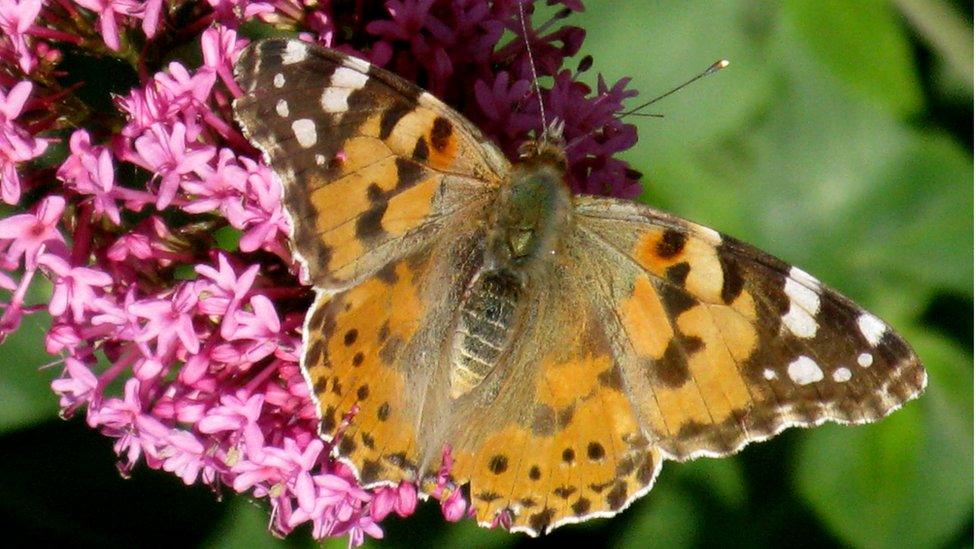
<point>355,339</point>
<point>574,449</point>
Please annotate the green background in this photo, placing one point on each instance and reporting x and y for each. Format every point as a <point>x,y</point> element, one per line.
<point>840,139</point>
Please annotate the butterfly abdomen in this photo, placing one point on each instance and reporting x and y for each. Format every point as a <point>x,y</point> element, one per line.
<point>533,212</point>
<point>484,328</point>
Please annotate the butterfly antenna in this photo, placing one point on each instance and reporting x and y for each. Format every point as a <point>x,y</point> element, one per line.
<point>535,75</point>
<point>714,68</point>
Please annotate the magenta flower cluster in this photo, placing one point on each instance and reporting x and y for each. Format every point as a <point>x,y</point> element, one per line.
<point>176,309</point>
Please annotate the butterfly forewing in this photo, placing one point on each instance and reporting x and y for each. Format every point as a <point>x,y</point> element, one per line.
<point>371,165</point>
<point>720,344</point>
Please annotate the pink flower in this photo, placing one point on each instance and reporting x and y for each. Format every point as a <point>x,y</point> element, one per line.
<point>90,170</point>
<point>107,11</point>
<point>77,386</point>
<point>16,144</point>
<point>188,357</point>
<point>16,18</point>
<point>168,153</point>
<point>237,415</point>
<point>169,321</point>
<point>454,506</point>
<point>402,499</point>
<point>184,456</point>
<point>24,235</point>
<point>73,286</point>
<point>221,47</point>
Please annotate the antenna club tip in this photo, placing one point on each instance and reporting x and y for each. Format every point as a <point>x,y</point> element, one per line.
<point>721,63</point>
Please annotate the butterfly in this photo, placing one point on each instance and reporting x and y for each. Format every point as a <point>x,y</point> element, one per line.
<point>561,347</point>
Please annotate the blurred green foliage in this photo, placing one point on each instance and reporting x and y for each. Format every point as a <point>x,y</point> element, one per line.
<point>839,139</point>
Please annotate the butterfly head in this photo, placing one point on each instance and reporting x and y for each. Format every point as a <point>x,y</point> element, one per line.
<point>548,147</point>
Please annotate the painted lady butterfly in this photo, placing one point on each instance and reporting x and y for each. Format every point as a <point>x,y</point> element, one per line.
<point>562,346</point>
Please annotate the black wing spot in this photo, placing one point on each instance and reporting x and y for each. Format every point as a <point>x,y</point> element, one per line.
<point>420,150</point>
<point>383,413</point>
<point>671,244</point>
<point>440,134</point>
<point>595,451</point>
<point>498,464</point>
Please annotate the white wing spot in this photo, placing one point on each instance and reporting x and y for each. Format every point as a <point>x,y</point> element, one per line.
<point>304,132</point>
<point>356,63</point>
<point>842,374</point>
<point>709,234</point>
<point>806,278</point>
<point>345,77</point>
<point>804,304</point>
<point>295,51</point>
<point>279,80</point>
<point>871,327</point>
<point>804,370</point>
<point>769,374</point>
<point>335,100</point>
<point>320,160</point>
<point>865,360</point>
<point>344,81</point>
<point>281,107</point>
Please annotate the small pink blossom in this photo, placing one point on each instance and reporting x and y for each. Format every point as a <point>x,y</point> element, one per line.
<point>16,18</point>
<point>90,170</point>
<point>169,321</point>
<point>24,235</point>
<point>77,385</point>
<point>16,144</point>
<point>184,456</point>
<point>74,287</point>
<point>454,506</point>
<point>168,153</point>
<point>108,12</point>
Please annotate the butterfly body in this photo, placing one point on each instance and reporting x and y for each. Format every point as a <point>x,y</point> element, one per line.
<point>562,347</point>
<point>531,215</point>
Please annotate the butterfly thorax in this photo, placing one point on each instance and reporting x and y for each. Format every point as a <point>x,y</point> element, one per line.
<point>533,210</point>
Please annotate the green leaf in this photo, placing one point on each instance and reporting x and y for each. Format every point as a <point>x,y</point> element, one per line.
<point>919,225</point>
<point>906,481</point>
<point>722,479</point>
<point>668,517</point>
<point>246,525</point>
<point>467,533</point>
<point>25,388</point>
<point>660,44</point>
<point>227,238</point>
<point>864,44</point>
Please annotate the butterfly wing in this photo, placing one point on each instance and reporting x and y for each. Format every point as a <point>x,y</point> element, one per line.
<point>384,185</point>
<point>372,357</point>
<point>719,344</point>
<point>549,437</point>
<point>653,338</point>
<point>371,165</point>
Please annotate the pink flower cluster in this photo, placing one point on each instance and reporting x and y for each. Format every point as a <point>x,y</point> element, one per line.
<point>175,303</point>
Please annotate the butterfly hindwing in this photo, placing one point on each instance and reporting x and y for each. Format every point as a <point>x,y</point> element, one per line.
<point>371,357</point>
<point>370,163</point>
<point>720,344</point>
<point>549,437</point>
